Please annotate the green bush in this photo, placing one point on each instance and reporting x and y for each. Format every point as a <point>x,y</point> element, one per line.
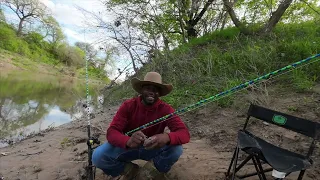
<point>8,38</point>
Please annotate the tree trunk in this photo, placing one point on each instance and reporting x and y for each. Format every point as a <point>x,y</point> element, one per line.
<point>235,20</point>
<point>224,21</point>
<point>191,31</point>
<point>1,105</point>
<point>276,16</point>
<point>19,32</point>
<point>166,42</point>
<point>182,27</point>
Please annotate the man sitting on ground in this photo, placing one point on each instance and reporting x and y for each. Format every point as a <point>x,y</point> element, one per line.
<point>152,144</point>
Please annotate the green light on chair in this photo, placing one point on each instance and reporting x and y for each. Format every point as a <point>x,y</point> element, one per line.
<point>278,119</point>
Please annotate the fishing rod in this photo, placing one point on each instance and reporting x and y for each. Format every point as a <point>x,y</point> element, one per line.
<point>223,94</point>
<point>91,140</point>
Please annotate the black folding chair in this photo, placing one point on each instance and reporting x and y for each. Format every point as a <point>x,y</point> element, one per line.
<point>282,161</point>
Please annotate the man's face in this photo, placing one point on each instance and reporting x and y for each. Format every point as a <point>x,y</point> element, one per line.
<point>150,94</point>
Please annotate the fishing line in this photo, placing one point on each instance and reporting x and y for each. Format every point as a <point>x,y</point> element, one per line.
<point>229,92</point>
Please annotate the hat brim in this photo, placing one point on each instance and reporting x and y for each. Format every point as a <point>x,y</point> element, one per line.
<point>137,85</point>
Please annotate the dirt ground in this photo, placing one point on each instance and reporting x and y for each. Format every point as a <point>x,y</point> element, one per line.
<point>61,153</point>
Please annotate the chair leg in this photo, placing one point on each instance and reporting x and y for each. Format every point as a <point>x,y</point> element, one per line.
<point>261,169</point>
<point>301,174</point>
<point>235,163</point>
<point>94,172</point>
<point>257,168</point>
<point>233,156</point>
<point>244,162</point>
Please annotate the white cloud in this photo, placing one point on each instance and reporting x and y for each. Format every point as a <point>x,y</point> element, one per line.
<point>72,21</point>
<point>48,3</point>
<point>68,15</point>
<point>71,34</point>
<point>66,11</point>
<point>65,14</point>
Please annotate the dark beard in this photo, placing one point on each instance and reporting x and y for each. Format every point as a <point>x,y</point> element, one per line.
<point>145,101</point>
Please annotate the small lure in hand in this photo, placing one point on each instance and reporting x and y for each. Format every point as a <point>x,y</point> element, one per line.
<point>148,140</point>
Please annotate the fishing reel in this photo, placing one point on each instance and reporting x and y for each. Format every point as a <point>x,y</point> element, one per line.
<point>91,169</point>
<point>92,141</point>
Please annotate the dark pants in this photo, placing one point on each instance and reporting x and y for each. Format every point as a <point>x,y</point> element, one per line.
<point>112,159</point>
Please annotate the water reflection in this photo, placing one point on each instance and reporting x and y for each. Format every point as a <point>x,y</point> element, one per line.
<point>29,105</point>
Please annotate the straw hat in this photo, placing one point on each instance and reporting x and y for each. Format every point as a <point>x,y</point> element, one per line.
<point>151,78</point>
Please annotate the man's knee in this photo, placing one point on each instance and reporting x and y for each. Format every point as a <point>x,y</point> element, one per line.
<point>98,156</point>
<point>173,153</point>
<point>104,157</point>
<point>168,158</point>
<point>101,156</point>
<point>177,151</point>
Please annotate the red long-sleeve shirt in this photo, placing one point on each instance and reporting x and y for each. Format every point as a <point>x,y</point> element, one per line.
<point>133,113</point>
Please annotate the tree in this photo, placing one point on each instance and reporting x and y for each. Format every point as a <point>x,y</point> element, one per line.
<point>52,30</point>
<point>70,55</point>
<point>190,13</point>
<point>121,33</point>
<point>89,50</point>
<point>110,51</point>
<point>26,10</point>
<point>2,17</point>
<point>90,53</point>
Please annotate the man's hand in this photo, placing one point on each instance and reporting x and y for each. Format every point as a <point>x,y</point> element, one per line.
<point>136,139</point>
<point>156,141</point>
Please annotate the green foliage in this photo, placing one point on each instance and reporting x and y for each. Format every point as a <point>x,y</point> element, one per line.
<point>94,73</point>
<point>219,61</point>
<point>300,11</point>
<point>71,55</point>
<point>258,12</point>
<point>32,45</point>
<point>53,30</point>
<point>226,34</point>
<point>10,41</point>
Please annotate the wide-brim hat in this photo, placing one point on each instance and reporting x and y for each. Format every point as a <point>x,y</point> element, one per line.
<point>151,78</point>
